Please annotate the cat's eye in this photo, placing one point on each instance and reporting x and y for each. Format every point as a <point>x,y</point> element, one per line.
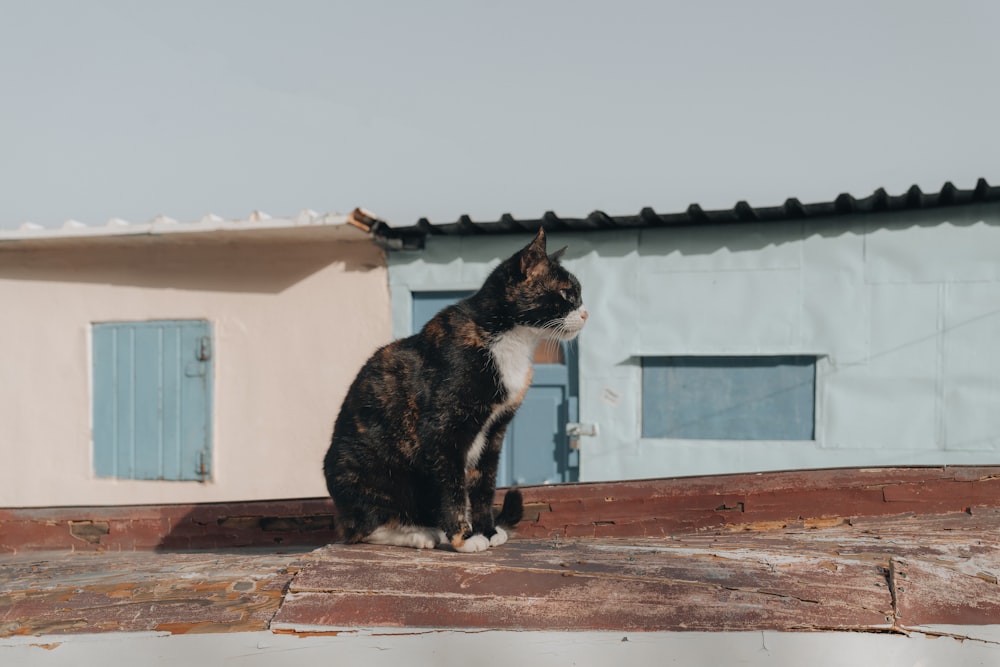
<point>565,295</point>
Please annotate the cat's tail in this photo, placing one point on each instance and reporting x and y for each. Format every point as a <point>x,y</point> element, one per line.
<point>512,510</point>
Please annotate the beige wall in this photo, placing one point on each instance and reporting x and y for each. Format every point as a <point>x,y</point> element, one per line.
<point>293,317</point>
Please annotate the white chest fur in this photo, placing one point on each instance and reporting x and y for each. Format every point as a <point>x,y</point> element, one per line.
<point>513,353</point>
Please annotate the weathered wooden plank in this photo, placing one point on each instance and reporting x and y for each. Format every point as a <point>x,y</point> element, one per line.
<point>131,528</point>
<point>595,605</point>
<point>746,570</point>
<point>947,592</point>
<point>657,507</point>
<point>125,592</point>
<point>668,507</point>
<point>945,495</point>
<point>821,575</point>
<point>590,585</point>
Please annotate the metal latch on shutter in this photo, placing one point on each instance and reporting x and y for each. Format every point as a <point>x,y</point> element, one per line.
<point>203,353</point>
<point>576,430</point>
<point>204,348</point>
<point>202,469</point>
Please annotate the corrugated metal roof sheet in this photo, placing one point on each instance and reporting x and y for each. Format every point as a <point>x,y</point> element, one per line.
<point>880,201</point>
<point>116,228</point>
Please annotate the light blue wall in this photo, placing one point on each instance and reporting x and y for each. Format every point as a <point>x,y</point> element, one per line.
<point>903,311</point>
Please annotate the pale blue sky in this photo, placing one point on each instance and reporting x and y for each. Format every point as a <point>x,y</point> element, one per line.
<point>135,109</point>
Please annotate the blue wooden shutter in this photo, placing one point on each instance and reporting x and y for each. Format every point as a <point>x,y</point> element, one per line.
<point>152,399</point>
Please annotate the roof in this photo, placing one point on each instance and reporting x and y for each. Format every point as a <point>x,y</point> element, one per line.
<point>865,550</point>
<point>306,225</point>
<point>845,204</point>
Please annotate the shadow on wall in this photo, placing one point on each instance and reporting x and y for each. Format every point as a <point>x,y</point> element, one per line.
<point>269,524</point>
<point>250,267</point>
<point>264,524</point>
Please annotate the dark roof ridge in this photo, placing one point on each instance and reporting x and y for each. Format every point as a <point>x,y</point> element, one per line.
<point>880,201</point>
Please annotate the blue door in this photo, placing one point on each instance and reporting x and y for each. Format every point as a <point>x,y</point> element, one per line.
<point>536,448</point>
<point>152,399</point>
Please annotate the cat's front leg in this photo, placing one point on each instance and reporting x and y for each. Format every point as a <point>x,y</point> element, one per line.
<point>482,483</point>
<point>454,516</point>
<point>460,534</point>
<point>458,528</point>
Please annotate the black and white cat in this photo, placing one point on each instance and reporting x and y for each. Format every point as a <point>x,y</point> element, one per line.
<point>415,448</point>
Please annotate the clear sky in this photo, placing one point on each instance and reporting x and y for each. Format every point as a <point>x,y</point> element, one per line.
<point>134,109</point>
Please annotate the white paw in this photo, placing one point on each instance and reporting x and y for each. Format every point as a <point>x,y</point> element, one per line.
<point>416,537</point>
<point>423,539</point>
<point>475,543</point>
<point>499,538</point>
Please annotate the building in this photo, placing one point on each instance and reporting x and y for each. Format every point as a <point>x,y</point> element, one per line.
<point>855,332</point>
<point>851,333</point>
<point>205,362</point>
<point>180,362</point>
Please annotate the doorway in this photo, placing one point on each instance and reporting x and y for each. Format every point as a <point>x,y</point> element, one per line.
<point>536,449</point>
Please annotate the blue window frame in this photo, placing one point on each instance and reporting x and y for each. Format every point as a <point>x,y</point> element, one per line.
<point>729,398</point>
<point>152,400</point>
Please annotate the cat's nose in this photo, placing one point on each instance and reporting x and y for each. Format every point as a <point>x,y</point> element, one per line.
<point>583,314</point>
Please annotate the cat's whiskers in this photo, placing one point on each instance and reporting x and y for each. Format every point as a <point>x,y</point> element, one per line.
<point>549,346</point>
<point>560,328</point>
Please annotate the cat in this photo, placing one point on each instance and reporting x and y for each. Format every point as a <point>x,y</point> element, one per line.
<point>415,448</point>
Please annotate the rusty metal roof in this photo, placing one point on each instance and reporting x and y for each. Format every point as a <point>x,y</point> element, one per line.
<point>883,550</point>
<point>845,204</point>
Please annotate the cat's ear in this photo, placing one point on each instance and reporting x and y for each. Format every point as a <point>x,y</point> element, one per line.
<point>557,255</point>
<point>539,241</point>
<point>533,258</point>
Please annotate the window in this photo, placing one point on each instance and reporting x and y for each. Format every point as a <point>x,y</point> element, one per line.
<point>729,398</point>
<point>152,399</point>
